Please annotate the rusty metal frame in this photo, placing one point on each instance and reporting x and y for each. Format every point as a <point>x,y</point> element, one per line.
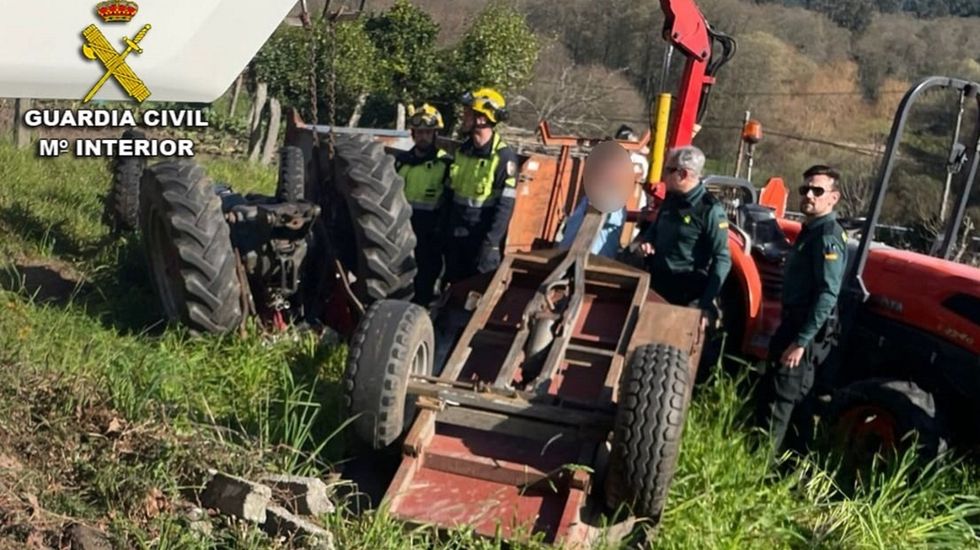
<point>530,413</point>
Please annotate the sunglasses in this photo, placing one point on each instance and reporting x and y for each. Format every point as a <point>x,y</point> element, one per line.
<point>671,169</point>
<point>817,191</point>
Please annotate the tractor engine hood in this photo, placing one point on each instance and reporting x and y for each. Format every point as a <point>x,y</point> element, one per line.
<point>193,51</point>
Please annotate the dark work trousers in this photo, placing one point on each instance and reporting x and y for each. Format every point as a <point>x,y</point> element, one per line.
<point>784,399</point>
<point>462,256</point>
<point>429,231</point>
<point>685,289</point>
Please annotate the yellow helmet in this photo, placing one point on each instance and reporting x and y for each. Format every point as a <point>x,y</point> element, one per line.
<point>425,117</point>
<point>488,102</point>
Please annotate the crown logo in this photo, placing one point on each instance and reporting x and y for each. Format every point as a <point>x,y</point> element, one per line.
<point>117,11</point>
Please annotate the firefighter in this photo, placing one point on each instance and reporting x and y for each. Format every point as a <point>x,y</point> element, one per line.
<point>425,169</point>
<point>687,245</point>
<point>483,181</point>
<point>811,282</point>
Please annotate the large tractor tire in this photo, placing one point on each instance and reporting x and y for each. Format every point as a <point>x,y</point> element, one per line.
<point>292,175</point>
<point>393,341</point>
<point>653,399</point>
<point>880,416</point>
<point>372,226</point>
<point>123,202</point>
<point>188,246</point>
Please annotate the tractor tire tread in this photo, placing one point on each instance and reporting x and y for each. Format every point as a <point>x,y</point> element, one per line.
<point>378,367</point>
<point>123,202</point>
<point>201,238</point>
<point>381,219</point>
<point>649,425</point>
<point>292,175</point>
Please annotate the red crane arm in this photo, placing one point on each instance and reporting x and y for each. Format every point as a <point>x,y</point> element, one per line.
<point>686,29</point>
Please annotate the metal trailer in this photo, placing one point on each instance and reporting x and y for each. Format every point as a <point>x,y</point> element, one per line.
<point>566,377</point>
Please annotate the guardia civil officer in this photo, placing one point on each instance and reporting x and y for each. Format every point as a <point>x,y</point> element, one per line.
<point>687,245</point>
<point>812,280</point>
<point>483,181</point>
<point>425,169</point>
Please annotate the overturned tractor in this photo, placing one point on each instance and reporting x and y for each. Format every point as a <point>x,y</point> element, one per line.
<point>334,238</point>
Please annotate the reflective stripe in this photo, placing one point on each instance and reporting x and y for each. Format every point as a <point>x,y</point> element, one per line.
<point>473,176</point>
<point>424,182</point>
<point>509,192</point>
<point>475,203</point>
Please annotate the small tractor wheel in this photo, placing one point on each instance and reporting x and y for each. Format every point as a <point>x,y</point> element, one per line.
<point>372,227</point>
<point>876,415</point>
<point>653,399</point>
<point>188,247</point>
<point>393,341</point>
<point>292,175</point>
<point>123,202</point>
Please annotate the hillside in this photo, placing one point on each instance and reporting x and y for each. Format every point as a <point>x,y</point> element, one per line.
<point>824,92</point>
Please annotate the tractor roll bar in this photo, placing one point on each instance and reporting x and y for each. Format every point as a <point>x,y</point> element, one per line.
<point>854,286</point>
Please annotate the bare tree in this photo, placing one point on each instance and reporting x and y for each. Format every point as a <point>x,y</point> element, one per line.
<point>584,99</point>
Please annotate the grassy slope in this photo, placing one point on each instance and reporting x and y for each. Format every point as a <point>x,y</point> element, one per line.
<point>107,418</point>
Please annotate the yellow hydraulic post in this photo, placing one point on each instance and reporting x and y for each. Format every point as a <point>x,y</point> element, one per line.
<point>657,149</point>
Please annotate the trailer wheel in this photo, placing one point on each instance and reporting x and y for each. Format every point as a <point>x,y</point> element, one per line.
<point>393,341</point>
<point>188,247</point>
<point>877,415</point>
<point>371,223</point>
<point>123,202</point>
<point>653,399</point>
<point>292,175</point>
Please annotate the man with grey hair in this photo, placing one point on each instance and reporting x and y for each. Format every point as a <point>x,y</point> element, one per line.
<point>687,245</point>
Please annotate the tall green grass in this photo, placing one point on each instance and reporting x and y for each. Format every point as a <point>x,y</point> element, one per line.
<point>726,494</point>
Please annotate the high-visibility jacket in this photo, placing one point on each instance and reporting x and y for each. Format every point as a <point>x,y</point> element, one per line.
<point>484,184</point>
<point>425,178</point>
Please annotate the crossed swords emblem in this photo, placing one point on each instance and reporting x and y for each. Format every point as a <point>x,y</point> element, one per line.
<point>97,47</point>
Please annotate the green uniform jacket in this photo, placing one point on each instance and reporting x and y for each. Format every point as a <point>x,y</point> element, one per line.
<point>690,240</point>
<point>813,274</point>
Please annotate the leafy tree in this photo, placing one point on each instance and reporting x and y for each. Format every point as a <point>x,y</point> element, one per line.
<point>499,50</point>
<point>854,15</point>
<point>355,63</point>
<point>928,8</point>
<point>284,64</point>
<point>889,6</point>
<point>407,37</point>
<point>349,55</point>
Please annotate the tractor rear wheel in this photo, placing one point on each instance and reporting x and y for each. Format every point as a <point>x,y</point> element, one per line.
<point>188,247</point>
<point>371,223</point>
<point>393,341</point>
<point>292,175</point>
<point>653,400</point>
<point>123,202</point>
<point>876,415</point>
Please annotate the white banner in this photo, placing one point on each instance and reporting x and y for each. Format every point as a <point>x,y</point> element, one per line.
<point>193,51</point>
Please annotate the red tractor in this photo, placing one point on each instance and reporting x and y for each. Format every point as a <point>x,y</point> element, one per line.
<point>335,236</point>
<point>903,355</point>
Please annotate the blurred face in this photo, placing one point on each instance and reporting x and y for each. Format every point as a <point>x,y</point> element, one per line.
<point>817,196</point>
<point>425,139</point>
